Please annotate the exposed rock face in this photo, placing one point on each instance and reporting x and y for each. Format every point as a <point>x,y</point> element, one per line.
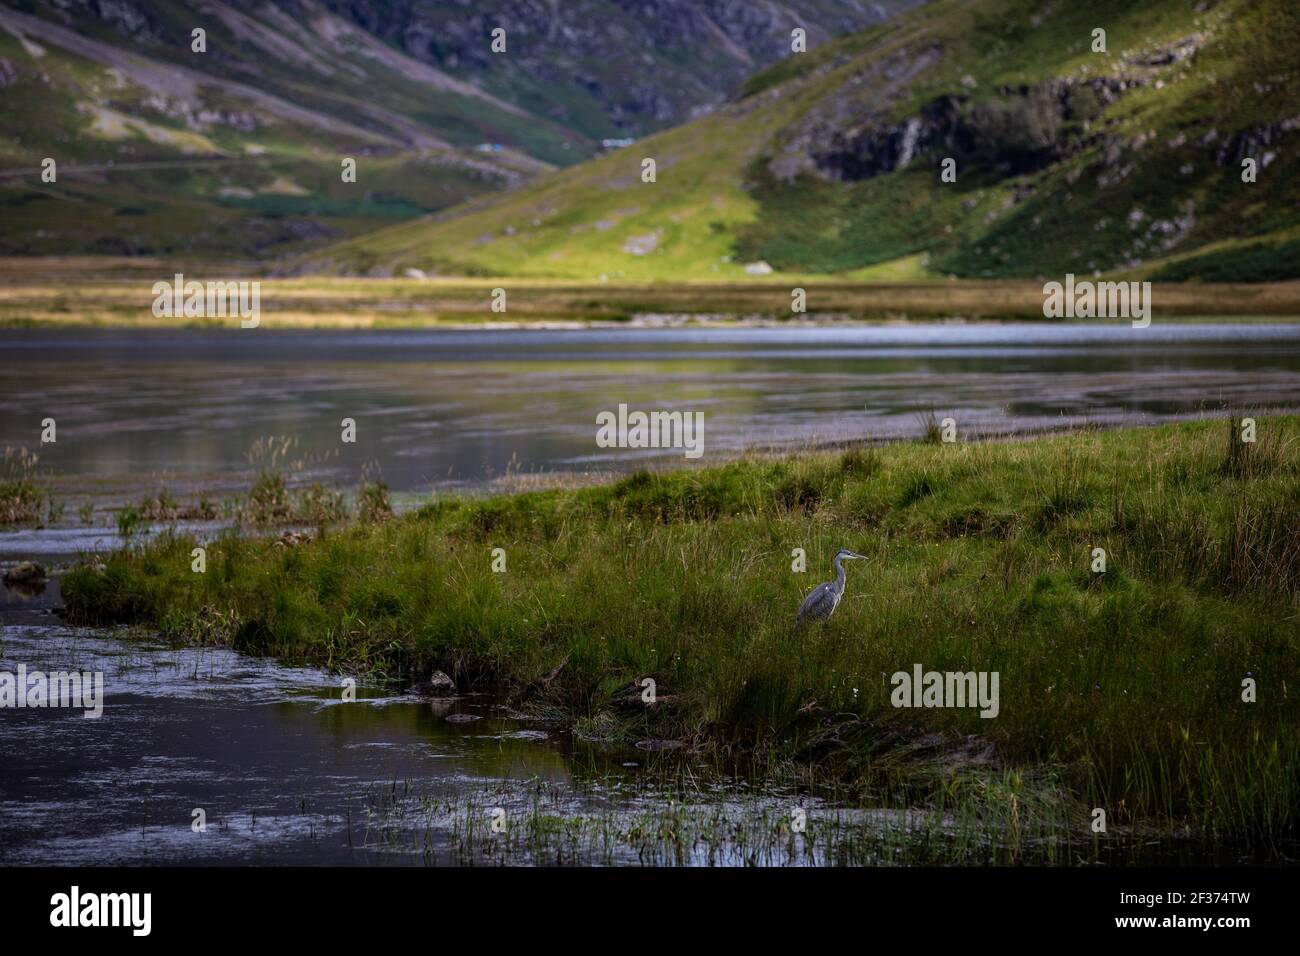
<point>857,105</point>
<point>129,18</point>
<point>1254,142</point>
<point>1018,130</point>
<point>854,135</point>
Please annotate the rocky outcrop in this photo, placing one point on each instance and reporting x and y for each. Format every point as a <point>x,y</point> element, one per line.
<point>856,134</point>
<point>438,685</point>
<point>25,574</point>
<point>1256,142</point>
<point>1016,130</point>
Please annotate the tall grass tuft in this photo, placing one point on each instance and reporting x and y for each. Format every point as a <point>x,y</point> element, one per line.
<point>931,432</point>
<point>21,500</point>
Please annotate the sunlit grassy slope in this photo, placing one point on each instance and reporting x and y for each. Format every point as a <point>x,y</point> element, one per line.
<point>1126,161</point>
<point>582,222</point>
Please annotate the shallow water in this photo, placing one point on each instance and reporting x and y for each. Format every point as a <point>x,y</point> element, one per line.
<point>138,410</point>
<point>280,764</point>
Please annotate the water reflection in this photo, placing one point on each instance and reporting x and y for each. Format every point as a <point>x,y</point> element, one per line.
<point>137,410</point>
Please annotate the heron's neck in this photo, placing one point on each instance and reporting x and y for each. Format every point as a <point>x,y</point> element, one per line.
<point>839,571</point>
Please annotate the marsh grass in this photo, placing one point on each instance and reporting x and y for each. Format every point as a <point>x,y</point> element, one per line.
<point>669,817</point>
<point>130,521</point>
<point>1260,458</point>
<point>319,302</point>
<point>272,501</point>
<point>373,502</point>
<point>164,507</point>
<point>931,434</point>
<point>1121,690</point>
<point>21,499</point>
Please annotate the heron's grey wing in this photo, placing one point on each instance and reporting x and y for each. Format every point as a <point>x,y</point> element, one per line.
<point>818,604</point>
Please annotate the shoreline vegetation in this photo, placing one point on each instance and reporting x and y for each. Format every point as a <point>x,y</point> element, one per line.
<point>1120,690</point>
<point>75,294</point>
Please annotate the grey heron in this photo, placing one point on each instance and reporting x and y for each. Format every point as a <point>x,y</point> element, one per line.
<point>822,600</point>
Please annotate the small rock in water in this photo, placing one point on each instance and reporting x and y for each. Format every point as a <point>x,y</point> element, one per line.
<point>26,572</point>
<point>438,685</point>
<point>462,718</point>
<point>291,539</point>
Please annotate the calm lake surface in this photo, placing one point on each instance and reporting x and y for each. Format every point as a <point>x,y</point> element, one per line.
<point>139,410</point>
<point>286,771</point>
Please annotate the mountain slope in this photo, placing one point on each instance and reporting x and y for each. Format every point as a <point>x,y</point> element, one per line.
<point>1127,161</point>
<point>236,150</point>
<point>610,68</point>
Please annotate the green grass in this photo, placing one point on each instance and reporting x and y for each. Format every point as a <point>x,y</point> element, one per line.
<point>215,192</point>
<point>1256,262</point>
<point>1125,686</point>
<point>117,292</point>
<point>226,208</point>
<point>22,501</point>
<point>578,222</point>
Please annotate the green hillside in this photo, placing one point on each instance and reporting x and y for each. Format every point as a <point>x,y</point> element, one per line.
<point>235,151</point>
<point>1127,161</point>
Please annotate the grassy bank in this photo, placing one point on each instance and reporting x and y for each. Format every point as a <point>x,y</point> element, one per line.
<point>81,293</point>
<point>1120,690</point>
